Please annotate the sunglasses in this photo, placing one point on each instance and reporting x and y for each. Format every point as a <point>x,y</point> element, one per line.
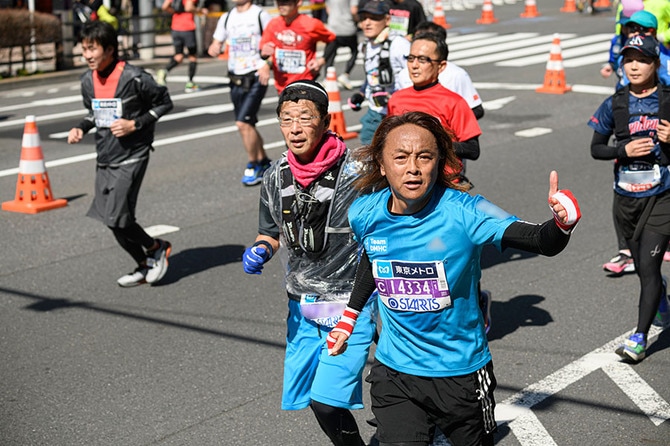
<point>422,59</point>
<point>635,28</point>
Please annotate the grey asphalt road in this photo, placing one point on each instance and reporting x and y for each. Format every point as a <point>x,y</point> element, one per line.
<point>197,358</point>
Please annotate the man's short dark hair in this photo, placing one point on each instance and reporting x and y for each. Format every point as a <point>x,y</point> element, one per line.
<point>101,32</point>
<point>430,27</point>
<point>441,44</point>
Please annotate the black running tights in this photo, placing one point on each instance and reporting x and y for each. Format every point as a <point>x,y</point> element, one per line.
<point>648,253</point>
<point>338,424</point>
<point>134,240</point>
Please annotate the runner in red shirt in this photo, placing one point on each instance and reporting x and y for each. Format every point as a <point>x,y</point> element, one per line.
<point>289,44</point>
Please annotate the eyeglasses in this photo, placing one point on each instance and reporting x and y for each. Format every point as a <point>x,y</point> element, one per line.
<point>422,59</point>
<point>635,28</point>
<point>303,121</point>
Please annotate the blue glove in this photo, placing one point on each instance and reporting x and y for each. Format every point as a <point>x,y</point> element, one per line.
<point>253,259</point>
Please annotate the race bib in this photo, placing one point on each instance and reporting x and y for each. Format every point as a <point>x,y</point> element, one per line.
<point>291,61</point>
<point>106,111</point>
<point>412,286</point>
<point>325,313</point>
<point>639,177</point>
<point>399,25</point>
<point>245,53</point>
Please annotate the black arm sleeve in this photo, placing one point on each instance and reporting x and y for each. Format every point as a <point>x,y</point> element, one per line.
<point>600,149</point>
<point>364,284</point>
<point>478,111</point>
<point>468,149</point>
<point>546,239</point>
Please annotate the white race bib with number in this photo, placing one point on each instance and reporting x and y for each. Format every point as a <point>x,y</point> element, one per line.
<point>412,286</point>
<point>291,61</point>
<point>106,111</point>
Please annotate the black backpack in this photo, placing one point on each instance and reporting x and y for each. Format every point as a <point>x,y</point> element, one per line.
<point>178,6</point>
<point>621,115</point>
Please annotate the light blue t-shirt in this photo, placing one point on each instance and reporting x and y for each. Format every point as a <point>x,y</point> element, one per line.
<point>427,269</point>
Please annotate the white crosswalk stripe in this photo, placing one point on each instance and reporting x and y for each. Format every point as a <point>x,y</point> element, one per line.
<point>517,50</point>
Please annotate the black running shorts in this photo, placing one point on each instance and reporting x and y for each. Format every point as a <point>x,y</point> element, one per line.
<point>408,407</point>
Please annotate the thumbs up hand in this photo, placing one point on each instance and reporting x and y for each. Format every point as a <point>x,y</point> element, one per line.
<point>564,205</point>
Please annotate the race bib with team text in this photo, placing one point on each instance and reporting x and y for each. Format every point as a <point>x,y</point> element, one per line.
<point>412,286</point>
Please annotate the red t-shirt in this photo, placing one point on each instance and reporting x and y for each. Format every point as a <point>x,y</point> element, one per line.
<point>183,21</point>
<point>295,46</point>
<point>451,109</point>
<point>105,87</point>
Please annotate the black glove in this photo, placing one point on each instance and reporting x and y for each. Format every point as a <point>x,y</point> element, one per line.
<point>380,98</point>
<point>356,101</point>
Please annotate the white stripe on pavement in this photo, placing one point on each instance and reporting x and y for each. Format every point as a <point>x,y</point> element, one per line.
<point>600,48</point>
<point>515,407</point>
<point>644,397</point>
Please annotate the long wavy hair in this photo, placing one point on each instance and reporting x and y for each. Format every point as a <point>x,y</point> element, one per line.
<point>370,156</point>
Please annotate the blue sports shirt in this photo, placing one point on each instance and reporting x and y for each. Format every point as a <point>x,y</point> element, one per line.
<point>427,268</point>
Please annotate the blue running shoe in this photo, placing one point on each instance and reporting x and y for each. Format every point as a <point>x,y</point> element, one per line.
<point>253,174</point>
<point>634,349</point>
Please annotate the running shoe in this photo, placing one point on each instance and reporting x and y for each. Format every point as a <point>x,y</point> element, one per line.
<point>662,318</point>
<point>158,261</point>
<point>253,174</point>
<point>137,277</point>
<point>620,264</point>
<point>191,87</point>
<point>634,349</point>
<point>160,77</point>
<point>485,306</point>
<point>343,80</point>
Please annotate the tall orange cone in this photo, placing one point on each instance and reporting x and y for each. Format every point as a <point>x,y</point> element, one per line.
<point>487,14</point>
<point>554,77</point>
<point>602,4</point>
<point>569,6</point>
<point>530,10</point>
<point>438,15</point>
<point>33,190</point>
<point>337,124</point>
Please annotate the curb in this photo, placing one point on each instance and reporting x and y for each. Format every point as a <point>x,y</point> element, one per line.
<point>43,79</point>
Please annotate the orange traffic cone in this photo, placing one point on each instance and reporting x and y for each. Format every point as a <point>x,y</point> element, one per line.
<point>438,15</point>
<point>602,4</point>
<point>226,52</point>
<point>487,14</point>
<point>530,10</point>
<point>569,6</point>
<point>33,191</point>
<point>337,124</point>
<point>554,78</point>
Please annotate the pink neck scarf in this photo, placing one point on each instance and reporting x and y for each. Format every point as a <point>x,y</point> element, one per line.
<point>332,148</point>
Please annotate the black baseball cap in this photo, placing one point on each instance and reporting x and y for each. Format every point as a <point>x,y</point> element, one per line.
<point>647,45</point>
<point>375,7</point>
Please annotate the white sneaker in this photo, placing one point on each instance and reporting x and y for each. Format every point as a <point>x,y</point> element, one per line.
<point>343,80</point>
<point>137,277</point>
<point>160,77</point>
<point>158,261</point>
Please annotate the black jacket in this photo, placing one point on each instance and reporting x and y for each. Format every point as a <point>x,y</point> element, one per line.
<point>143,101</point>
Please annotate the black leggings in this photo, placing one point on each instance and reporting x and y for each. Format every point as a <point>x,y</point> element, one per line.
<point>134,240</point>
<point>338,424</point>
<point>648,253</point>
